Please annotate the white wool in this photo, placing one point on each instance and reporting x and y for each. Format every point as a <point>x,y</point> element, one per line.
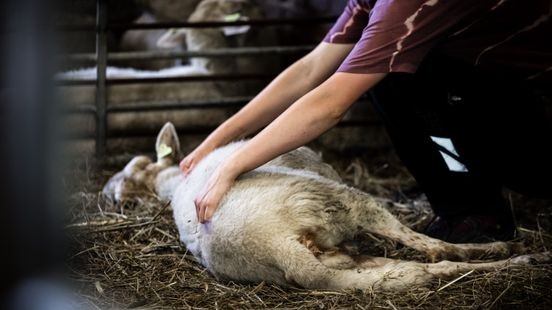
<point>124,73</point>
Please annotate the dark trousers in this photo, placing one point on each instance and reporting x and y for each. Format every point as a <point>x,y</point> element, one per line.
<point>464,135</point>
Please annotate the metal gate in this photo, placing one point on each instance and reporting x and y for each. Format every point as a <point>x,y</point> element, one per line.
<point>102,56</point>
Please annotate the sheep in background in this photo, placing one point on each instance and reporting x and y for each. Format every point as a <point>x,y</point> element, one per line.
<point>169,10</point>
<point>144,40</point>
<point>198,39</point>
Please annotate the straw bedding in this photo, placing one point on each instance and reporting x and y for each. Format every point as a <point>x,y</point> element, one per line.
<point>129,256</point>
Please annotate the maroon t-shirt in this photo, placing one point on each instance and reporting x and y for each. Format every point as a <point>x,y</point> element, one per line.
<point>513,36</point>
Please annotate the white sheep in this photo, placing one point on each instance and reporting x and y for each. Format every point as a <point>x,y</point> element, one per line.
<point>284,223</point>
<point>199,39</point>
<point>144,40</point>
<point>170,10</point>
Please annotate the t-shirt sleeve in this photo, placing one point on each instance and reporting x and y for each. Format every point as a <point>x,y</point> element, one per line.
<point>399,34</point>
<point>348,27</point>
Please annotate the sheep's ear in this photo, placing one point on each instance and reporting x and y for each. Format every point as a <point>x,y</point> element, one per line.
<point>167,145</point>
<point>172,38</point>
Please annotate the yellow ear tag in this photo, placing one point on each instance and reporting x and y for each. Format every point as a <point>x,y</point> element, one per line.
<point>232,17</point>
<point>163,151</point>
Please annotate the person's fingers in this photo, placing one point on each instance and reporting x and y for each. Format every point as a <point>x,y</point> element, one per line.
<point>209,211</point>
<point>203,207</point>
<point>184,164</point>
<point>197,202</point>
<point>206,202</point>
<point>201,202</point>
<point>190,168</point>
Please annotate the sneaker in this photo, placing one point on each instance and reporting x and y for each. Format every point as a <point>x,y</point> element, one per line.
<point>471,229</point>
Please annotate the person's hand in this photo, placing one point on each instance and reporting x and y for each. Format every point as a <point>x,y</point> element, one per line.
<point>208,199</point>
<point>191,160</point>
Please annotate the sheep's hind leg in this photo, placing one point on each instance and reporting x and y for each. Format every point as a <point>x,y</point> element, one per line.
<point>303,268</point>
<point>371,216</point>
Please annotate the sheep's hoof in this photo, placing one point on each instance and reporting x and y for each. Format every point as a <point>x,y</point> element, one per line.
<point>533,259</point>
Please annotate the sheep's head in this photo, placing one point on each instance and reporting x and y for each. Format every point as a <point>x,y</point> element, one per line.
<point>170,10</point>
<point>137,179</point>
<point>225,10</point>
<point>213,11</point>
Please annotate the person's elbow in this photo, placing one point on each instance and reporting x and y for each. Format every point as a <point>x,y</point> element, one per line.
<point>316,67</point>
<point>308,72</point>
<point>339,92</point>
<point>331,106</point>
<point>335,116</point>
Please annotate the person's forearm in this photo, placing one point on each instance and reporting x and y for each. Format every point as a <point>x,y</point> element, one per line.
<point>290,85</point>
<point>266,106</point>
<point>305,120</point>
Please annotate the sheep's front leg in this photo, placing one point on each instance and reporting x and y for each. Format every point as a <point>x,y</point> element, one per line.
<point>371,216</point>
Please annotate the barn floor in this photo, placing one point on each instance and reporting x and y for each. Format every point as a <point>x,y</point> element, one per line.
<point>129,256</point>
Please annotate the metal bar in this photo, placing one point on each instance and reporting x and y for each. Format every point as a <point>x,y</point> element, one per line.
<point>259,23</point>
<point>160,106</point>
<point>101,91</point>
<point>235,102</point>
<point>193,78</point>
<point>80,109</point>
<point>145,132</point>
<point>152,26</point>
<point>76,28</point>
<point>211,53</point>
<point>65,82</point>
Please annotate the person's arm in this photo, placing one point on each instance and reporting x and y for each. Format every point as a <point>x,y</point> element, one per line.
<point>306,119</point>
<point>290,85</point>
